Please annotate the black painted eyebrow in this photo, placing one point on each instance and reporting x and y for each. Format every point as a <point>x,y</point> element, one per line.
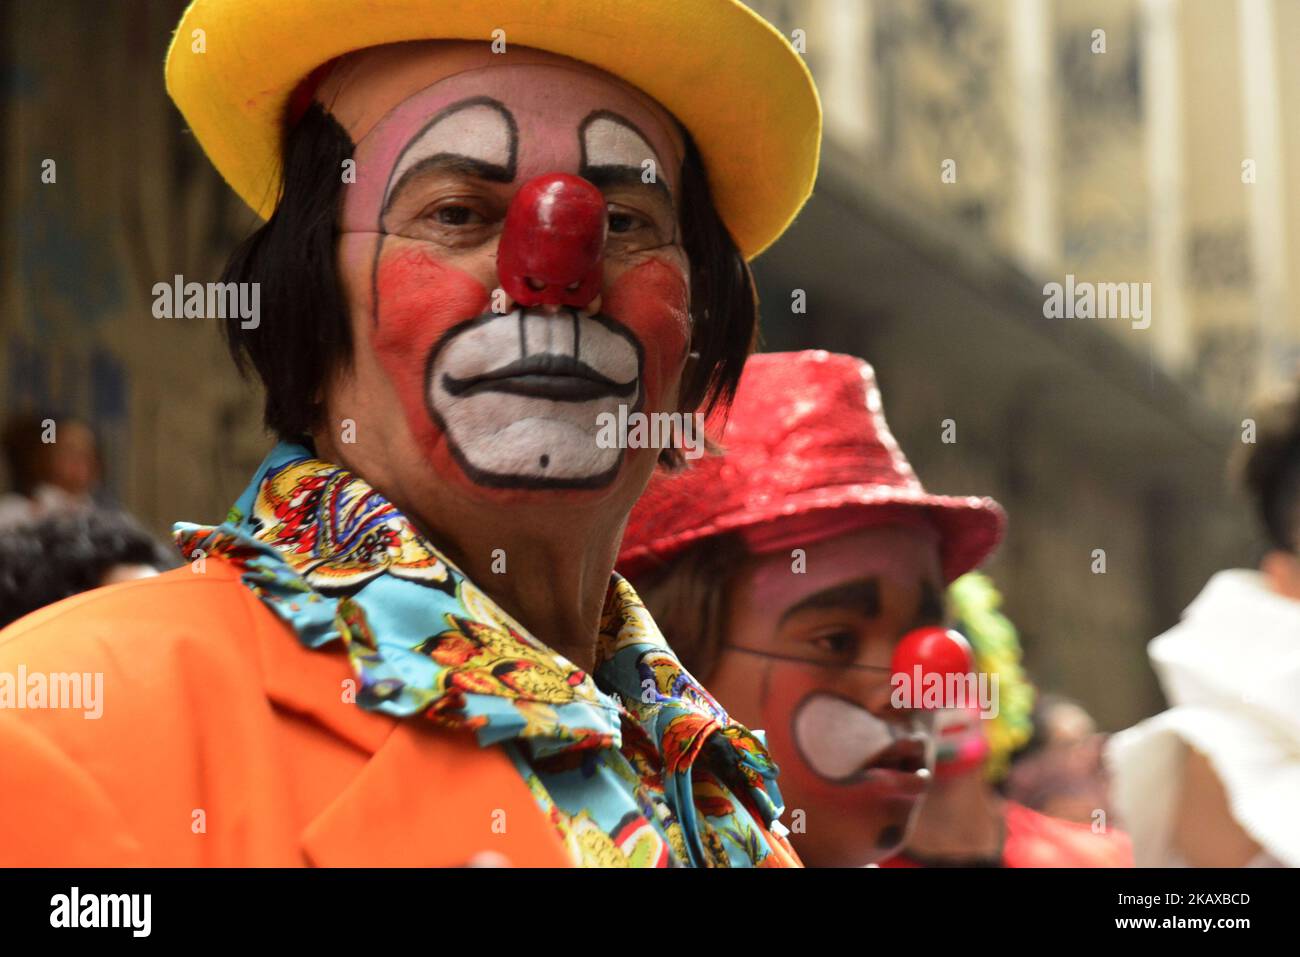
<point>616,175</point>
<point>861,596</point>
<point>453,162</point>
<point>617,170</point>
<point>488,171</point>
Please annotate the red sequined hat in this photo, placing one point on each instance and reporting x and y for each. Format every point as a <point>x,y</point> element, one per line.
<point>806,445</point>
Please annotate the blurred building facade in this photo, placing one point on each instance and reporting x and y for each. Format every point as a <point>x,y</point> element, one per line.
<point>976,150</point>
<point>106,195</point>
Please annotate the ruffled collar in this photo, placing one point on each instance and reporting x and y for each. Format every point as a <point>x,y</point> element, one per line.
<point>1235,648</point>
<point>339,563</point>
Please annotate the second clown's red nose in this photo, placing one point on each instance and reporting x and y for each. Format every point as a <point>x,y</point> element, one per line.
<point>938,652</point>
<point>553,242</point>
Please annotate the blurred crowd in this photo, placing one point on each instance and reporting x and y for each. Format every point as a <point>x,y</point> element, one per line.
<point>59,535</point>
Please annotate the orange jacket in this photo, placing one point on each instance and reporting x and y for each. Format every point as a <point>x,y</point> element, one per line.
<point>224,742</point>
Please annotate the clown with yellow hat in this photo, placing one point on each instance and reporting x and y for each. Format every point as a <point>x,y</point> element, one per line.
<point>487,227</point>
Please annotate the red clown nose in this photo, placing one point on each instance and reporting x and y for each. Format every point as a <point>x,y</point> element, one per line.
<point>936,651</point>
<point>552,243</point>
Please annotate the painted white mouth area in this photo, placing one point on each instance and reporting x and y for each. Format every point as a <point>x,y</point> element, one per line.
<point>500,340</point>
<point>837,737</point>
<point>519,396</point>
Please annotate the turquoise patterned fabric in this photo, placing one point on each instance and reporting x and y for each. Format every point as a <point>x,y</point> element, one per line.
<point>636,765</point>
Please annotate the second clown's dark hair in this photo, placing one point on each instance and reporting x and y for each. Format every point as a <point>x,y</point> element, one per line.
<point>304,333</point>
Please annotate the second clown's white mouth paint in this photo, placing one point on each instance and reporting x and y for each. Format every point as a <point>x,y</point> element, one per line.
<point>841,741</point>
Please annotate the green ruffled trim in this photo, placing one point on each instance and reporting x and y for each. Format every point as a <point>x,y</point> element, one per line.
<point>975,603</point>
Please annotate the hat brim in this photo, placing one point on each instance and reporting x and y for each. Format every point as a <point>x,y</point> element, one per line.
<point>969,527</point>
<point>741,90</point>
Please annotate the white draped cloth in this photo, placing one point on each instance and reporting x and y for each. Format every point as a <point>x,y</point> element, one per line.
<point>1230,671</point>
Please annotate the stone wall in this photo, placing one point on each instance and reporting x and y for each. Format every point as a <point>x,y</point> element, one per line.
<point>132,203</point>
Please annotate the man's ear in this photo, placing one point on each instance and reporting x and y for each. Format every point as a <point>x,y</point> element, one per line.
<point>1282,571</point>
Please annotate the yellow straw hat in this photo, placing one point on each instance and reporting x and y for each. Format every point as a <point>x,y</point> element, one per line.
<point>736,84</point>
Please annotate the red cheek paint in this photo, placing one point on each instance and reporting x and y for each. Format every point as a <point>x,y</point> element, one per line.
<point>419,300</point>
<point>653,301</point>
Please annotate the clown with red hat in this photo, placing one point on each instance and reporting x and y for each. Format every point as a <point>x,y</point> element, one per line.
<point>802,574</point>
<point>799,572</point>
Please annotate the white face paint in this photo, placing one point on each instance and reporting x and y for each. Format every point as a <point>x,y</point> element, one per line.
<point>519,396</point>
<point>481,131</point>
<point>837,737</point>
<point>608,141</point>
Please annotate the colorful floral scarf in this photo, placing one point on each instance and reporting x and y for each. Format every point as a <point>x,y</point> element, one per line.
<point>339,563</point>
